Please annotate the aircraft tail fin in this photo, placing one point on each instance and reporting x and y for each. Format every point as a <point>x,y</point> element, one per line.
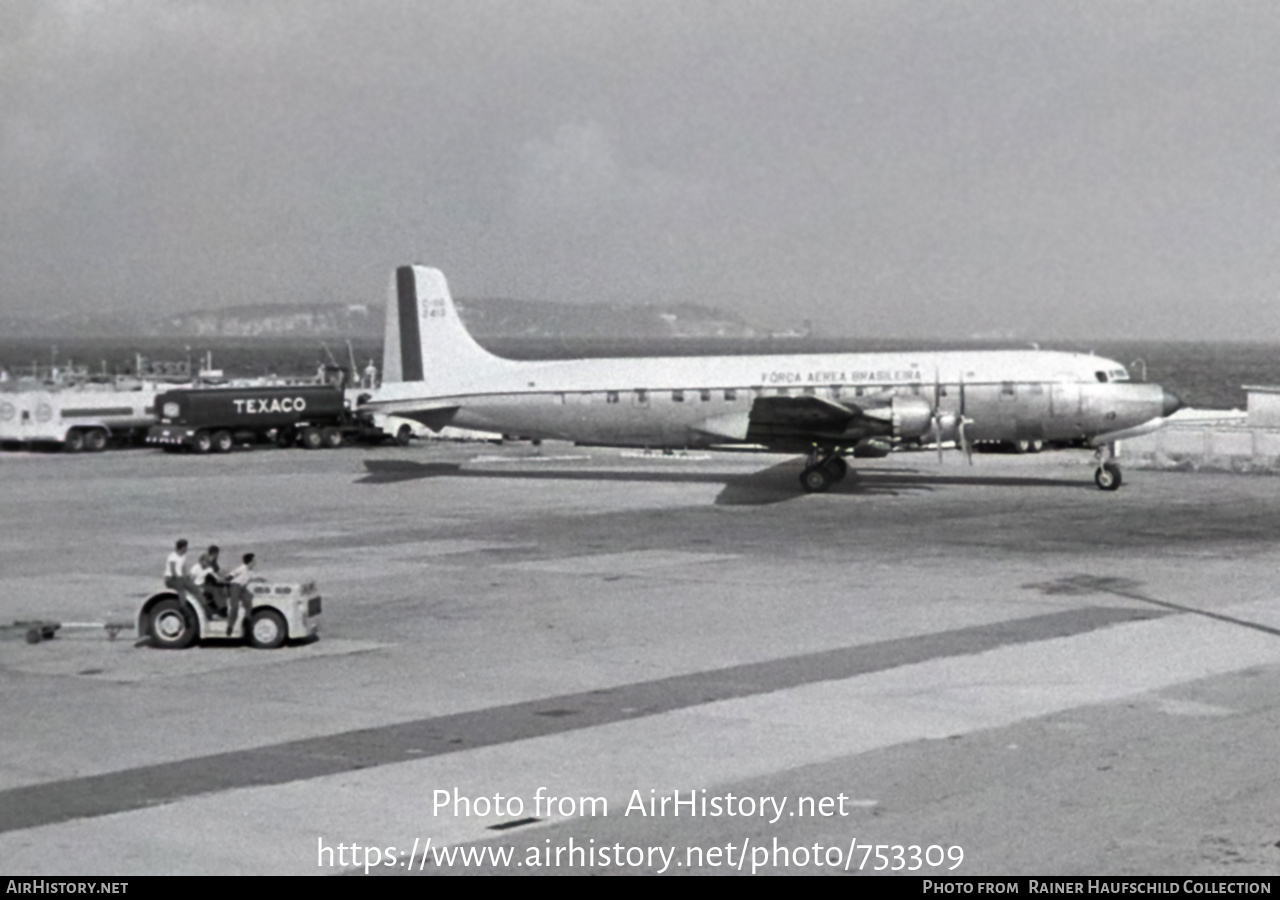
<point>425,339</point>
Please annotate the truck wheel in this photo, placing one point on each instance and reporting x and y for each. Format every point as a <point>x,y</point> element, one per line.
<point>222,442</point>
<point>267,629</point>
<point>312,439</point>
<point>202,442</point>
<point>332,437</point>
<point>172,626</point>
<point>95,441</point>
<point>74,441</point>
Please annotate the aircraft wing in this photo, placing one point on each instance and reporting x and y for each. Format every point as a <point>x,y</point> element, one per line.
<point>791,423</point>
<point>804,414</point>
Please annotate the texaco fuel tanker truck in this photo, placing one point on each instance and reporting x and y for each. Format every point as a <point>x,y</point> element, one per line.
<point>216,419</point>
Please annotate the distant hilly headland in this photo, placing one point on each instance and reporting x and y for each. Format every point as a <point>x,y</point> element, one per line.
<point>492,318</point>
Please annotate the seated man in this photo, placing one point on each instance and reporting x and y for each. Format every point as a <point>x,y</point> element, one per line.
<point>213,587</point>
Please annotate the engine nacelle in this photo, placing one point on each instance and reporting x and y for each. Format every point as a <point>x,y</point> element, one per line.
<point>906,417</point>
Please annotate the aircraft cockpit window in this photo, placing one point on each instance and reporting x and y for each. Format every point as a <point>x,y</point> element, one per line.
<point>1119,375</point>
<point>677,396</point>
<point>1101,376</point>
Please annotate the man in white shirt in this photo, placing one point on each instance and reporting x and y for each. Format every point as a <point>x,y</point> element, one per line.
<point>241,597</point>
<point>176,577</point>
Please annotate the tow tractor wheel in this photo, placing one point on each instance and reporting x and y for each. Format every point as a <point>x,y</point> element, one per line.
<point>202,442</point>
<point>74,441</point>
<point>267,629</point>
<point>312,439</point>
<point>332,437</point>
<point>95,440</point>
<point>223,442</point>
<point>815,479</point>
<point>172,625</point>
<point>1107,477</point>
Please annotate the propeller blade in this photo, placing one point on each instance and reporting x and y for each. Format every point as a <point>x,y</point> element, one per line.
<point>937,411</point>
<point>964,440</point>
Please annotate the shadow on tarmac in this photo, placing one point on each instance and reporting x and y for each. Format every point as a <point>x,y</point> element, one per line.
<point>776,484</point>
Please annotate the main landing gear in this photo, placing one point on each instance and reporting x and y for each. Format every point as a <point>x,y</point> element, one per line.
<point>822,470</point>
<point>1107,478</point>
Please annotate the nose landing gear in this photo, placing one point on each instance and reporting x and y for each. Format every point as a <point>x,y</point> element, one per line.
<point>1107,477</point>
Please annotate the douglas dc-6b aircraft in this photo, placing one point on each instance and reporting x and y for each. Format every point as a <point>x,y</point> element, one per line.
<point>825,405</point>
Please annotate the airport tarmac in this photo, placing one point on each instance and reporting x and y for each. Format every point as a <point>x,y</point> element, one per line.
<point>998,665</point>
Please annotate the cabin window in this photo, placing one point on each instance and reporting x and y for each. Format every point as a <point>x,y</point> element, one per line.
<point>1101,376</point>
<point>783,392</point>
<point>730,394</point>
<point>677,396</point>
<point>1035,388</point>
<point>705,395</point>
<point>1006,390</point>
<point>611,397</point>
<point>810,391</point>
<point>835,392</point>
<point>858,392</point>
<point>942,390</point>
<point>642,396</point>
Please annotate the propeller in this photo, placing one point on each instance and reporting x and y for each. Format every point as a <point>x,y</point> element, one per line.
<point>937,412</point>
<point>939,416</point>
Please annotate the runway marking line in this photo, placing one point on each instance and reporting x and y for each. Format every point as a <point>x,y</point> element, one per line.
<point>163,783</point>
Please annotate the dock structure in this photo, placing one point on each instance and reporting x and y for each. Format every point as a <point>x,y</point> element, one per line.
<point>1215,440</point>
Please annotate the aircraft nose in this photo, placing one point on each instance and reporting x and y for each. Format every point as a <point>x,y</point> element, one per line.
<point>1171,403</point>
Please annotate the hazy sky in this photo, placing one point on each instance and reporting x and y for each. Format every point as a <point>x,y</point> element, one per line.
<point>1102,168</point>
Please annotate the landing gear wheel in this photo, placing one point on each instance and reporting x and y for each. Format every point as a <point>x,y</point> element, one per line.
<point>312,439</point>
<point>332,437</point>
<point>223,442</point>
<point>404,435</point>
<point>267,629</point>
<point>95,441</point>
<point>816,479</point>
<point>1107,478</point>
<point>202,442</point>
<point>836,467</point>
<point>172,626</point>
<point>74,442</point>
